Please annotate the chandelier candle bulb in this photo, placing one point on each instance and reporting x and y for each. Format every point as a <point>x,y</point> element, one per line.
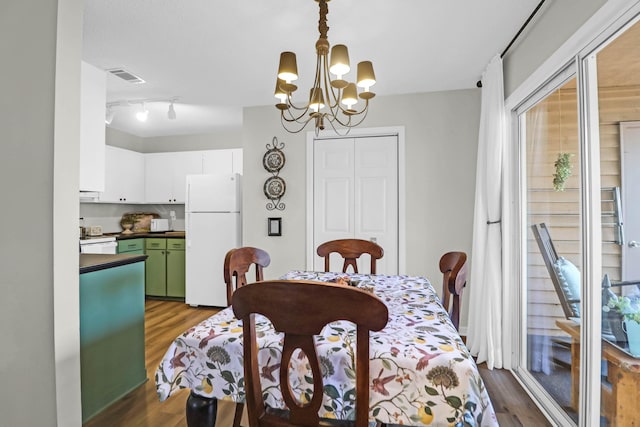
<point>288,69</point>
<point>366,77</point>
<point>316,100</point>
<point>350,96</point>
<point>279,92</point>
<point>339,61</point>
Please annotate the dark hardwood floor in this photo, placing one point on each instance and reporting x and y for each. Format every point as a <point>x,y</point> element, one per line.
<point>165,320</point>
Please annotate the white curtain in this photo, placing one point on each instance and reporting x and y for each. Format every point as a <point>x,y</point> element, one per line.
<point>485,330</point>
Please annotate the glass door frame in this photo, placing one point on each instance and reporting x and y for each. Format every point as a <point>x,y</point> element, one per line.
<point>518,156</point>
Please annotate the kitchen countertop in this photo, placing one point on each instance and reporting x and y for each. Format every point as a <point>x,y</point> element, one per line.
<point>167,234</point>
<point>95,262</point>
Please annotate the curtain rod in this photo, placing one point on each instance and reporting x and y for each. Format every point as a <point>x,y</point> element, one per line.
<point>479,83</point>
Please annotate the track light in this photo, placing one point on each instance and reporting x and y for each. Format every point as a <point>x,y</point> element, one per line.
<point>143,115</point>
<point>109,117</point>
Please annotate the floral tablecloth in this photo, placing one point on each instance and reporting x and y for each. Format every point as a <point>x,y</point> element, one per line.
<point>421,372</point>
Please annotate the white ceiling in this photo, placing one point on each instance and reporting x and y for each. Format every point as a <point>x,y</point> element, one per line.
<point>218,57</point>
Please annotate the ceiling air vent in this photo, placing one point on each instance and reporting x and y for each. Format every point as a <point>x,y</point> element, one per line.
<point>125,75</point>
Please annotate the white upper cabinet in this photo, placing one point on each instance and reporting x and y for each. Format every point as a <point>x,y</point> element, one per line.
<point>222,161</point>
<point>160,178</point>
<point>124,176</point>
<point>185,163</point>
<point>237,160</point>
<point>166,175</point>
<point>93,97</point>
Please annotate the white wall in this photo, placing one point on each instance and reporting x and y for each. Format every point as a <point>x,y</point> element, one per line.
<point>441,133</point>
<point>39,359</point>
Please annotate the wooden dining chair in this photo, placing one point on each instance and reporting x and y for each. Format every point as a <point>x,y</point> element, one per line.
<point>453,266</point>
<point>350,250</point>
<point>300,309</point>
<point>237,263</point>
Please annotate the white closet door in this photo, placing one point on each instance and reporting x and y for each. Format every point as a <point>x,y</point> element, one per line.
<point>376,197</point>
<point>356,196</point>
<point>333,193</point>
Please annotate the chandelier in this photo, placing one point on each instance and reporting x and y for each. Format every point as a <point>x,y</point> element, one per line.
<point>331,100</point>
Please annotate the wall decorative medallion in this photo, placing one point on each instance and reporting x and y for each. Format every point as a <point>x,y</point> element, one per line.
<point>274,187</point>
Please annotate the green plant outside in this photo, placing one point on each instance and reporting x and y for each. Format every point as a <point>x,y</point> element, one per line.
<point>563,171</point>
<point>627,307</point>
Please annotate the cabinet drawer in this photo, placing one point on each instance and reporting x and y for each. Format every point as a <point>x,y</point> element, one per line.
<point>177,244</point>
<point>130,245</point>
<point>156,243</point>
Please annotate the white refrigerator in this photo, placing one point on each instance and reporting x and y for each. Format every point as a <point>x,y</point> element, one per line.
<point>213,226</point>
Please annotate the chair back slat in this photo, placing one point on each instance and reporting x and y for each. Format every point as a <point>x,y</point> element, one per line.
<point>237,263</point>
<point>350,250</point>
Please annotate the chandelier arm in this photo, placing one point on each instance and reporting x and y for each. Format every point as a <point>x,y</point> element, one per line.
<point>302,125</point>
<point>346,128</point>
<point>290,103</point>
<point>292,118</point>
<point>317,81</point>
<point>362,113</point>
<point>333,101</point>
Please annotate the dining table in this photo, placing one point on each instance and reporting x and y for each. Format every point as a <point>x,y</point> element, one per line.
<point>421,371</point>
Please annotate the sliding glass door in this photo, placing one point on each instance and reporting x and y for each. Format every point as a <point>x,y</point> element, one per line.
<point>618,104</point>
<point>552,221</point>
<point>579,193</point>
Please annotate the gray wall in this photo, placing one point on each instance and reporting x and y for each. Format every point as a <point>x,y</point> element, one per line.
<point>163,144</point>
<point>441,131</point>
<point>39,359</point>
<point>554,24</point>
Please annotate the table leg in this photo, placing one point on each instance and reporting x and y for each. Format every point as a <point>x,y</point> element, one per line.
<point>575,374</point>
<point>201,411</point>
<point>625,395</point>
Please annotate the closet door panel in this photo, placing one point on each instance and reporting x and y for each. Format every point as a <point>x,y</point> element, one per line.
<point>376,196</point>
<point>333,194</point>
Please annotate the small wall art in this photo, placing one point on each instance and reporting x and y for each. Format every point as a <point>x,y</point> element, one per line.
<point>274,226</point>
<point>274,186</point>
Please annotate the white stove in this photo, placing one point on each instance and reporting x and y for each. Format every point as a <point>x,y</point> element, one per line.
<point>98,245</point>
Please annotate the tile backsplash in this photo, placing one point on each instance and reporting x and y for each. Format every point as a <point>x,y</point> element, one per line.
<point>108,215</point>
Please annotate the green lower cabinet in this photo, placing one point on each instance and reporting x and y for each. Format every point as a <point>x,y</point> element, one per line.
<point>175,268</point>
<point>165,275</point>
<point>156,267</point>
<point>131,246</point>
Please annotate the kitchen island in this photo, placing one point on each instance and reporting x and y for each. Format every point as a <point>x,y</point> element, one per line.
<point>111,328</point>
